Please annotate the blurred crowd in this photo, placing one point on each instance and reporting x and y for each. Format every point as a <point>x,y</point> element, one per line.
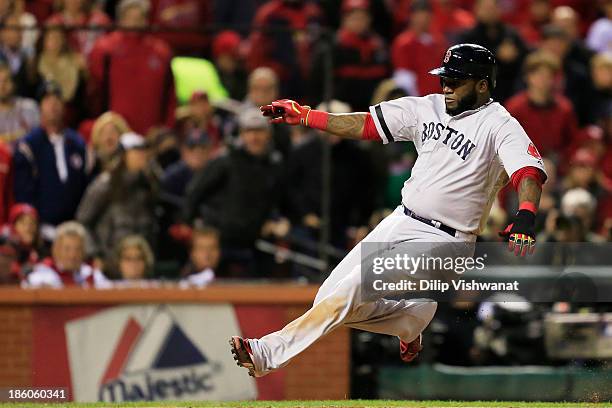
<point>132,146</point>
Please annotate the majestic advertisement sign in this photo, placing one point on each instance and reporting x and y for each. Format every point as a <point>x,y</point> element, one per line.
<point>156,352</point>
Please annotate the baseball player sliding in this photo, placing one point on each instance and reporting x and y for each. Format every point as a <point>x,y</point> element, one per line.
<point>468,148</point>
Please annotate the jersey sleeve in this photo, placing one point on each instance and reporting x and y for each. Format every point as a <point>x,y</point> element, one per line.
<point>515,149</point>
<point>395,120</point>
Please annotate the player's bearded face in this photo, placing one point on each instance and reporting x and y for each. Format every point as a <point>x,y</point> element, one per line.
<point>459,95</point>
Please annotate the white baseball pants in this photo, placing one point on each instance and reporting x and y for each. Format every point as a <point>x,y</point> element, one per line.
<point>339,300</point>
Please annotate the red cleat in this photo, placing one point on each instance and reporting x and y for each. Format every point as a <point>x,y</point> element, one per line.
<point>410,351</point>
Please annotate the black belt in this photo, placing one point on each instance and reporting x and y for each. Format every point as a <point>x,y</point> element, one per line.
<point>435,224</point>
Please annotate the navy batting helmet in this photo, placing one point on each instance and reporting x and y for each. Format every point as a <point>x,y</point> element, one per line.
<point>464,61</point>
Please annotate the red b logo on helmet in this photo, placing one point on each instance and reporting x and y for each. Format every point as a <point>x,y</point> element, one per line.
<point>447,56</point>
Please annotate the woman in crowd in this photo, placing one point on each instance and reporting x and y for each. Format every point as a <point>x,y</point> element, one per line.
<point>105,135</point>
<point>122,201</point>
<point>59,63</point>
<point>132,259</point>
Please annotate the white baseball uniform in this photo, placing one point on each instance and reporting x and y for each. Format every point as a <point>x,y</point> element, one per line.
<point>463,161</point>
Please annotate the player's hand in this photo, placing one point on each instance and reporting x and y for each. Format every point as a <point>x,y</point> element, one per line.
<point>286,111</point>
<point>521,234</point>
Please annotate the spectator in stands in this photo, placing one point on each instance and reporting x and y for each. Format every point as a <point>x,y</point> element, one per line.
<point>352,201</point>
<point>547,117</point>
<point>263,88</point>
<point>283,40</point>
<point>568,20</point>
<point>577,84</point>
<point>121,201</point>
<point>195,153</point>
<point>204,257</point>
<point>360,58</point>
<point>410,72</point>
<point>28,21</point>
<point>228,61</point>
<point>187,15</point>
<point>502,40</point>
<point>17,115</point>
<point>164,145</point>
<point>218,193</point>
<point>66,266</point>
<point>448,19</point>
<point>50,163</point>
<point>80,13</point>
<point>601,74</point>
<point>15,57</point>
<point>105,136</point>
<point>6,182</point>
<point>21,232</point>
<point>201,118</point>
<point>57,62</point>
<point>539,15</point>
<point>582,172</point>
<point>130,72</point>
<point>599,38</point>
<point>132,259</point>
<point>581,204</point>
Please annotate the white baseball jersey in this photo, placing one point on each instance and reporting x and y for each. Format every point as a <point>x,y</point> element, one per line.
<point>463,160</point>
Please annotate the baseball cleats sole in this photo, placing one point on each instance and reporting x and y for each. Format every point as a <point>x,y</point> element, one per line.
<point>242,354</point>
<point>410,351</point>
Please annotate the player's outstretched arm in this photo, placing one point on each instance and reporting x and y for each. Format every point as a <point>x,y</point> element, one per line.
<point>348,125</point>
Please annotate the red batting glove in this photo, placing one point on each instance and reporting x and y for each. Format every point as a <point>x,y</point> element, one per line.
<point>286,111</point>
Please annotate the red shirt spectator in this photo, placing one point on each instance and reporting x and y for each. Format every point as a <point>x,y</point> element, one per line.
<point>448,19</point>
<point>360,58</point>
<point>287,53</point>
<point>182,14</point>
<point>531,27</point>
<point>131,74</point>
<point>81,40</point>
<point>552,127</point>
<point>6,183</point>
<point>415,52</point>
<point>21,233</point>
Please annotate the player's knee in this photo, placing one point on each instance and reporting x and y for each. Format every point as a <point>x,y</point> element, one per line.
<point>427,310</point>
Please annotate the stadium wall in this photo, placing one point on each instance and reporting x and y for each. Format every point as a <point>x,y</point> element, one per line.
<point>47,335</point>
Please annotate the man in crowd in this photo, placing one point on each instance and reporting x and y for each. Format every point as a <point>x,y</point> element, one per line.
<point>273,45</point>
<point>509,49</point>
<point>547,117</point>
<point>130,71</point>
<point>411,73</point>
<point>50,163</point>
<point>360,58</point>
<point>263,87</point>
<point>66,266</point>
<point>577,85</point>
<point>240,191</point>
<point>204,257</point>
<point>14,56</point>
<point>195,153</point>
<point>17,115</point>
